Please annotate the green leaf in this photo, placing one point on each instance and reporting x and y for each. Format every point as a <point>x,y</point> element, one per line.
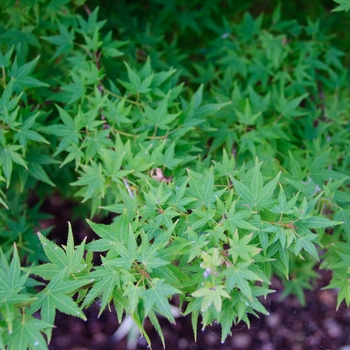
<point>283,206</point>
<point>243,191</point>
<point>305,242</point>
<point>227,164</point>
<point>27,334</point>
<point>133,293</point>
<point>247,117</point>
<point>344,5</point>
<point>290,108</point>
<point>92,180</point>
<point>148,255</point>
<point>159,117</point>
<point>239,219</point>
<point>257,196</point>
<point>167,159</point>
<point>24,133</point>
<point>38,172</point>
<point>344,216</point>
<point>153,318</point>
<point>157,296</point>
<point>134,79</point>
<point>89,26</point>
<point>241,248</point>
<point>11,284</point>
<point>319,222</point>
<point>21,78</point>
<point>106,232</point>
<point>69,130</point>
<point>105,280</point>
<point>201,188</point>
<point>240,276</point>
<point>64,41</point>
<point>8,156</point>
<point>211,295</point>
<point>126,249</point>
<point>227,318</point>
<point>71,92</point>
<point>54,296</point>
<point>5,60</point>
<point>69,261</point>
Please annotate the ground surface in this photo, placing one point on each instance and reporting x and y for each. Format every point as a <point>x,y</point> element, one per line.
<point>289,326</point>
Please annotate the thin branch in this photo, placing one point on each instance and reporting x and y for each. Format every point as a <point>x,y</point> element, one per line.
<point>128,188</point>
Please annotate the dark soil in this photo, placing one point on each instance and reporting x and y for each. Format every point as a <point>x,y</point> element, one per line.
<point>289,325</point>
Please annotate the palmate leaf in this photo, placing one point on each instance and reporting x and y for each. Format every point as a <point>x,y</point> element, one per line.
<point>201,188</point>
<point>227,317</point>
<point>197,242</point>
<point>69,130</point>
<point>241,248</point>
<point>257,195</point>
<point>167,159</point>
<point>9,105</point>
<point>342,283</point>
<point>305,242</point>
<point>8,156</point>
<point>344,5</point>
<point>71,92</point>
<point>283,206</point>
<point>344,216</point>
<point>238,219</point>
<point>64,41</point>
<point>124,243</point>
<point>227,164</point>
<point>108,233</point>
<point>11,284</point>
<point>177,198</point>
<point>211,295</point>
<point>55,296</point>
<point>290,108</point>
<point>106,279</point>
<point>91,24</point>
<point>239,276</point>
<point>159,117</point>
<point>136,85</point>
<point>21,75</point>
<point>129,204</point>
<point>27,334</point>
<point>65,262</point>
<point>92,180</point>
<point>157,297</point>
<point>148,255</point>
<point>5,60</point>
<point>305,237</point>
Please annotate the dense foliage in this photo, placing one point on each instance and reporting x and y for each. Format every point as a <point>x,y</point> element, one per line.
<point>219,141</point>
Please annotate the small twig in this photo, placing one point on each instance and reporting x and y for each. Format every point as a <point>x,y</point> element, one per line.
<point>121,97</point>
<point>87,9</point>
<point>128,188</point>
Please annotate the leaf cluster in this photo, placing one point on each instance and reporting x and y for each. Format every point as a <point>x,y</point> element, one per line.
<point>222,156</point>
